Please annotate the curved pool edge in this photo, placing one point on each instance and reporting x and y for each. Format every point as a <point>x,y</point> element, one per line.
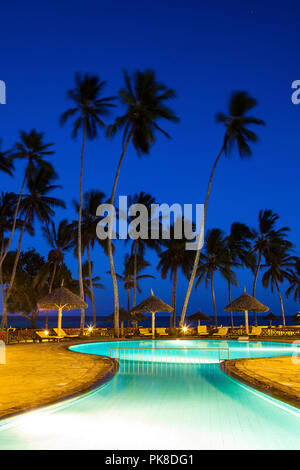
<point>261,384</point>
<point>89,387</point>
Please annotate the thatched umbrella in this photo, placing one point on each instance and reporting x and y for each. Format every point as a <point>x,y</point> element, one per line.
<point>245,303</point>
<point>152,305</point>
<point>199,316</point>
<point>296,318</point>
<point>61,299</point>
<point>271,317</point>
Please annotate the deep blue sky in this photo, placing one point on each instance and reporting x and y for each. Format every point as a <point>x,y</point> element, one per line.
<point>204,52</point>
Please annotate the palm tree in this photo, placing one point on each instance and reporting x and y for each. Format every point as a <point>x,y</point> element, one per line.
<point>139,244</point>
<point>237,134</point>
<point>265,240</point>
<point>277,263</point>
<point>127,277</point>
<point>294,280</point>
<point>145,101</point>
<point>90,282</point>
<point>91,200</point>
<point>36,204</point>
<point>32,149</point>
<point>6,164</point>
<point>60,239</point>
<point>237,245</point>
<point>88,111</point>
<point>175,257</point>
<point>215,259</point>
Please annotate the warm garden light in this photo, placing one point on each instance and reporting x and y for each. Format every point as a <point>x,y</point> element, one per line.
<point>46,332</point>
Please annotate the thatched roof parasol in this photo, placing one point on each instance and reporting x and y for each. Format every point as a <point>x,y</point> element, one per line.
<point>244,303</point>
<point>152,305</point>
<point>61,298</point>
<point>296,318</point>
<point>271,316</point>
<point>124,315</point>
<point>199,316</point>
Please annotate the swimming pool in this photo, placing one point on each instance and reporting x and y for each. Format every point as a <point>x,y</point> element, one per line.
<point>153,404</point>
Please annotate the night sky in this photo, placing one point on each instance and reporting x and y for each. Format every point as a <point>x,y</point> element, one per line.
<point>204,53</point>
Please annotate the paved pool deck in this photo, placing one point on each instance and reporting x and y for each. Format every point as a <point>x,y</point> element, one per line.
<point>40,374</point>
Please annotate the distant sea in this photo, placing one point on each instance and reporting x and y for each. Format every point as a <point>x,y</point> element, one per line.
<point>73,321</point>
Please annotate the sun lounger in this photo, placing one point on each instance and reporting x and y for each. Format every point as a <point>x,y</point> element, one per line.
<point>255,331</point>
<point>145,332</point>
<point>222,331</point>
<point>202,330</point>
<point>43,335</point>
<point>63,334</point>
<point>161,332</point>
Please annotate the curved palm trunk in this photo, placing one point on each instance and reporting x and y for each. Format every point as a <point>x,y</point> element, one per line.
<point>134,273</point>
<point>229,296</point>
<point>50,290</point>
<point>110,254</point>
<point>13,274</point>
<point>91,285</point>
<point>281,303</point>
<point>214,299</point>
<point>174,296</point>
<point>15,219</point>
<point>81,290</point>
<point>4,320</point>
<point>254,283</point>
<point>197,257</point>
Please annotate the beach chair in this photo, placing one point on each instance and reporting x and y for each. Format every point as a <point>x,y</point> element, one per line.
<point>63,334</point>
<point>255,331</point>
<point>223,331</point>
<point>145,332</point>
<point>202,330</point>
<point>161,332</point>
<point>44,335</point>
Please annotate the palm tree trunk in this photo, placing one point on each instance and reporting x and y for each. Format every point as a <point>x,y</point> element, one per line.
<point>81,290</point>
<point>110,254</point>
<point>50,290</point>
<point>91,285</point>
<point>254,283</point>
<point>197,257</point>
<point>214,299</point>
<point>134,272</point>
<point>174,298</point>
<point>128,300</point>
<point>13,274</point>
<point>229,295</point>
<point>281,303</point>
<point>15,220</point>
<point>4,320</point>
<point>172,305</point>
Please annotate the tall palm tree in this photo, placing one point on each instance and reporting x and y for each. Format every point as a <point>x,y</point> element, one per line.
<point>265,240</point>
<point>6,164</point>
<point>127,277</point>
<point>139,244</point>
<point>88,111</point>
<point>91,200</point>
<point>35,204</point>
<point>294,280</point>
<point>60,239</point>
<point>215,259</point>
<point>277,263</point>
<point>89,280</point>
<point>145,101</point>
<point>175,257</point>
<point>237,133</point>
<point>237,245</point>
<point>33,150</point>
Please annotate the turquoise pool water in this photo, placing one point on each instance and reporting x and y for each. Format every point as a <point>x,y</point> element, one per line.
<point>164,402</point>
